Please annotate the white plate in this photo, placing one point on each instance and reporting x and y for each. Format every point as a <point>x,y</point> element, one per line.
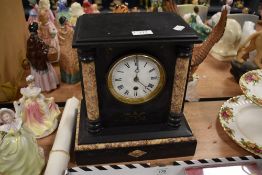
<point>251,85</point>
<point>242,121</point>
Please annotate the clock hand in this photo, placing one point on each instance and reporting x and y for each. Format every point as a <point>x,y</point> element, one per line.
<point>137,67</point>
<point>136,79</point>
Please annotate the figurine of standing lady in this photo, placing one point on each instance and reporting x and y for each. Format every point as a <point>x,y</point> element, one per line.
<point>19,152</point>
<point>41,69</point>
<point>48,33</point>
<point>33,13</point>
<point>44,5</point>
<point>69,66</point>
<point>39,114</point>
<point>75,11</point>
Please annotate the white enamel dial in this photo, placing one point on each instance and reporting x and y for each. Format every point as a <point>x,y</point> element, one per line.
<point>136,78</point>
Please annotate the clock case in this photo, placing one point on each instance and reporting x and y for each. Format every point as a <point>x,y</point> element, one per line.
<point>108,130</point>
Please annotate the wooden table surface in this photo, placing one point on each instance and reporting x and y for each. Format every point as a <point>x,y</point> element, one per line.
<point>215,80</point>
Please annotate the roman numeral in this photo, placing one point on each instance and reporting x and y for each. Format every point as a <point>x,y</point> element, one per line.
<point>151,70</point>
<point>153,78</point>
<point>126,92</point>
<point>120,87</point>
<point>118,79</point>
<point>150,85</point>
<point>127,65</point>
<point>135,60</point>
<point>145,64</point>
<point>135,92</point>
<point>144,91</point>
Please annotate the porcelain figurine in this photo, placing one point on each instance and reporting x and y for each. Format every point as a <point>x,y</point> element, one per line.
<point>41,69</point>
<point>9,121</point>
<point>19,152</point>
<point>156,5</point>
<point>121,9</point>
<point>61,5</point>
<point>44,5</point>
<point>259,22</point>
<point>115,3</point>
<point>33,13</point>
<point>201,51</point>
<point>94,8</point>
<point>69,67</point>
<point>249,56</point>
<point>135,9</point>
<point>253,42</point>
<point>203,2</point>
<point>239,4</point>
<point>195,22</point>
<point>75,11</point>
<point>245,10</point>
<point>215,18</point>
<point>226,48</point>
<point>195,2</point>
<point>98,3</point>
<point>48,33</point>
<point>170,6</point>
<point>87,7</point>
<point>227,6</point>
<point>248,29</point>
<point>39,114</point>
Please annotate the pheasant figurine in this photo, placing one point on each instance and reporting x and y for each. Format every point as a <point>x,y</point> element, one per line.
<point>200,51</point>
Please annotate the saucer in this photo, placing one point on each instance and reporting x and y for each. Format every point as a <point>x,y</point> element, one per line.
<point>242,121</point>
<point>251,85</point>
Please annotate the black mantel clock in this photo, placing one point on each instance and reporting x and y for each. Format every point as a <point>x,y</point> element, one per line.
<point>134,76</point>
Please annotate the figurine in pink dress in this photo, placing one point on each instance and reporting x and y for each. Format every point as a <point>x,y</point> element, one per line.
<point>68,62</point>
<point>41,69</point>
<point>48,33</point>
<point>38,113</point>
<point>43,5</point>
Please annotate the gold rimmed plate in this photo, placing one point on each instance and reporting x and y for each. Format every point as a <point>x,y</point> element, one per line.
<point>242,121</point>
<point>251,85</point>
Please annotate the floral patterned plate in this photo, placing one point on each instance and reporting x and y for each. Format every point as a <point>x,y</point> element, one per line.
<point>251,85</point>
<point>242,121</point>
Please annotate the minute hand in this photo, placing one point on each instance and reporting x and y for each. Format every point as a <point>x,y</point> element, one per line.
<point>143,85</point>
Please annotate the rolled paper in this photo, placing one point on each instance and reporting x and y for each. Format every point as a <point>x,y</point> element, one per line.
<point>59,155</point>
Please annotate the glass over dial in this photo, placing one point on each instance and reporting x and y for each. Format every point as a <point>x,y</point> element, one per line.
<point>136,79</point>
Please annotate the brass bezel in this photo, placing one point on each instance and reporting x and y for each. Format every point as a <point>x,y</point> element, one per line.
<point>141,100</point>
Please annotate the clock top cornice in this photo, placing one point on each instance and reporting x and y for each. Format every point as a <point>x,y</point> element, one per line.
<point>98,30</point>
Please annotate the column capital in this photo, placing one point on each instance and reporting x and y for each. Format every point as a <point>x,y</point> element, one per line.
<point>86,56</point>
<point>185,51</point>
